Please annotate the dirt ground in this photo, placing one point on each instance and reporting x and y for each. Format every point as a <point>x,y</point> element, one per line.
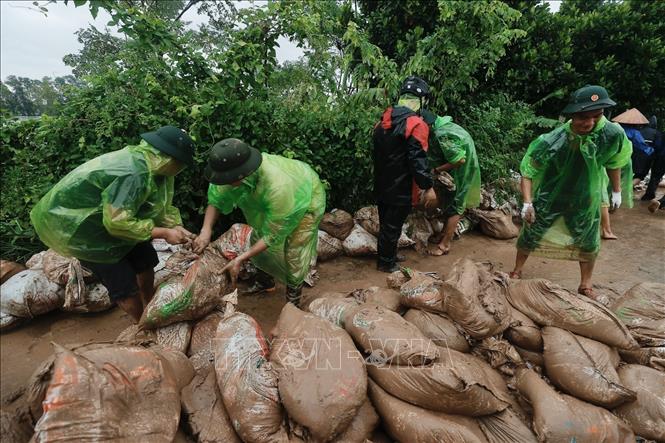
<point>638,255</point>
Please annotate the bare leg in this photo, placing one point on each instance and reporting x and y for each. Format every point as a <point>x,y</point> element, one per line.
<point>586,271</point>
<point>448,234</point>
<point>520,259</point>
<point>146,281</point>
<point>133,306</point>
<point>606,228</point>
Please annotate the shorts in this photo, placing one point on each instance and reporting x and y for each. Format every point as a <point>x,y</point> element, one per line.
<point>120,278</point>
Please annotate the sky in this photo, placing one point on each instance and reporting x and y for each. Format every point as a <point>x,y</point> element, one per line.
<point>33,45</point>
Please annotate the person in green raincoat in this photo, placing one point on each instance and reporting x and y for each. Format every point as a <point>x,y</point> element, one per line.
<point>106,211</point>
<point>563,182</point>
<point>283,200</point>
<point>454,152</point>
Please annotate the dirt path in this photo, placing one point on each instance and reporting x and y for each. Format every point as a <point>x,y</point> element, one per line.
<point>638,255</point>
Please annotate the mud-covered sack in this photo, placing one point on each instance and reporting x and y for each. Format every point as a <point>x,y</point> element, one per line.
<point>583,368</point>
<point>13,428</point>
<point>642,309</point>
<point>535,358</point>
<point>548,304</point>
<point>386,337</point>
<point>405,422</point>
<point>8,269</point>
<point>112,393</point>
<point>203,336</point>
<point>57,268</point>
<point>368,218</point>
<point>653,357</point>
<point>523,332</point>
<point>235,242</point>
<point>203,407</point>
<point>190,296</point>
<point>454,384</point>
<point>439,328</point>
<point>475,298</point>
<point>247,380</point>
<point>361,427</point>
<point>337,223</point>
<point>419,229</point>
<point>96,300</point>
<point>499,353</point>
<point>322,377</point>
<point>421,291</point>
<point>560,418</point>
<point>497,224</point>
<point>396,279</point>
<point>29,294</point>
<point>359,243</point>
<point>175,336</point>
<point>328,247</point>
<point>332,309</point>
<point>386,297</point>
<point>8,321</point>
<point>646,415</point>
<point>308,297</point>
<point>505,427</point>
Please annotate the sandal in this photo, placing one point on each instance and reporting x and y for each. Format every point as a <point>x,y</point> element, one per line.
<point>515,275</point>
<point>438,251</point>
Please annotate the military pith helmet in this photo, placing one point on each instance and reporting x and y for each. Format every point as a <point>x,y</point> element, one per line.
<point>415,86</point>
<point>588,98</point>
<point>231,160</point>
<point>172,141</point>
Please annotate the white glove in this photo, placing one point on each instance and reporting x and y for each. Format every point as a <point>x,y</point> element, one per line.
<point>528,213</point>
<point>615,202</point>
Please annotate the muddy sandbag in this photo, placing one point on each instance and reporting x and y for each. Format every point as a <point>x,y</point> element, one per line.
<point>523,332</point>
<point>203,334</point>
<point>9,322</point>
<point>234,242</point>
<point>14,428</point>
<point>190,296</point>
<point>497,224</point>
<point>548,304</point>
<point>387,337</point>
<point>58,268</point>
<point>116,393</point>
<point>499,353</point>
<point>247,380</point>
<point>8,269</point>
<point>535,358</point>
<point>386,297</point>
<point>96,300</point>
<point>408,423</point>
<point>332,309</point>
<point>359,243</point>
<point>419,229</point>
<point>396,279</point>
<point>422,291</point>
<point>642,309</point>
<point>362,426</point>
<point>653,357</point>
<point>439,328</point>
<point>452,384</point>
<point>309,297</point>
<point>29,294</point>
<point>560,418</point>
<point>368,218</point>
<point>328,247</point>
<point>203,407</point>
<point>175,336</point>
<point>475,299</point>
<point>337,223</point>
<point>583,368</point>
<point>322,378</point>
<point>505,427</point>
<point>646,415</point>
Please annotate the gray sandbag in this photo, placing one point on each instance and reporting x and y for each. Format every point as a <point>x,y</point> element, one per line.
<point>560,418</point>
<point>652,357</point>
<point>408,423</point>
<point>523,332</point>
<point>548,304</point>
<point>328,247</point>
<point>337,223</point>
<point>322,377</point>
<point>359,243</point>
<point>29,294</point>
<point>642,309</point>
<point>386,297</point>
<point>646,415</point>
<point>387,337</point>
<point>332,309</point>
<point>9,322</point>
<point>583,368</point>
<point>439,328</point>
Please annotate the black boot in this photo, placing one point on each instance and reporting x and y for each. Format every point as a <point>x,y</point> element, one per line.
<point>263,282</point>
<point>293,294</point>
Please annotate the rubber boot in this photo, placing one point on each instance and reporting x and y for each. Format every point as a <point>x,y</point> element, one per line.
<point>293,294</point>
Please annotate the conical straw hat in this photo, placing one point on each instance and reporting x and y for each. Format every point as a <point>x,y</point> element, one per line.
<point>631,117</point>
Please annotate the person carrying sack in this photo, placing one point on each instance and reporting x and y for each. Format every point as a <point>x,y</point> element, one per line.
<point>283,201</point>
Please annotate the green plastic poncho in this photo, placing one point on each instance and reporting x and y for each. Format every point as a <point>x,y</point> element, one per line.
<point>102,209</point>
<point>569,179</point>
<point>456,144</point>
<point>283,201</point>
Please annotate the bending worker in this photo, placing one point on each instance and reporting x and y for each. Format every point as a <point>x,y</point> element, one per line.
<point>283,201</point>
<point>106,211</point>
<point>563,181</point>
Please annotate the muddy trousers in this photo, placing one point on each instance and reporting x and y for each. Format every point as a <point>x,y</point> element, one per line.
<point>657,172</point>
<point>391,220</point>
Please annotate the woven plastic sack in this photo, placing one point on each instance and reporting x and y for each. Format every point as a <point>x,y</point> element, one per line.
<point>362,426</point>
<point>497,224</point>
<point>57,268</point>
<point>646,415</point>
<point>234,242</point>
<point>523,332</point>
<point>642,309</point>
<point>368,218</point>
<point>96,300</point>
<point>8,269</point>
<point>359,243</point>
<point>29,294</point>
<point>386,297</point>
<point>13,428</point>
<point>652,357</point>
<point>8,321</point>
<point>328,247</point>
<point>421,291</point>
<point>203,336</point>
<point>337,223</point>
<point>332,309</point>
<point>419,229</point>
<point>439,328</point>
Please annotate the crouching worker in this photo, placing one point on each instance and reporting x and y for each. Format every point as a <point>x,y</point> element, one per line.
<point>106,211</point>
<point>282,200</point>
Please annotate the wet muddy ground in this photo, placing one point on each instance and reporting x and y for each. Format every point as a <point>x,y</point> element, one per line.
<point>638,255</point>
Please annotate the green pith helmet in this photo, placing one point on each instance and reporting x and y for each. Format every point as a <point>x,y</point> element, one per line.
<point>172,141</point>
<point>588,98</point>
<point>231,160</point>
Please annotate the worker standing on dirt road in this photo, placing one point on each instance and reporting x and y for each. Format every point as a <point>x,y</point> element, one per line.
<point>453,151</point>
<point>563,182</point>
<point>106,211</point>
<point>401,169</point>
<point>283,201</point>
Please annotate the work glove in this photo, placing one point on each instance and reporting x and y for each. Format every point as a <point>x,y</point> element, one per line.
<point>615,202</point>
<point>528,213</point>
